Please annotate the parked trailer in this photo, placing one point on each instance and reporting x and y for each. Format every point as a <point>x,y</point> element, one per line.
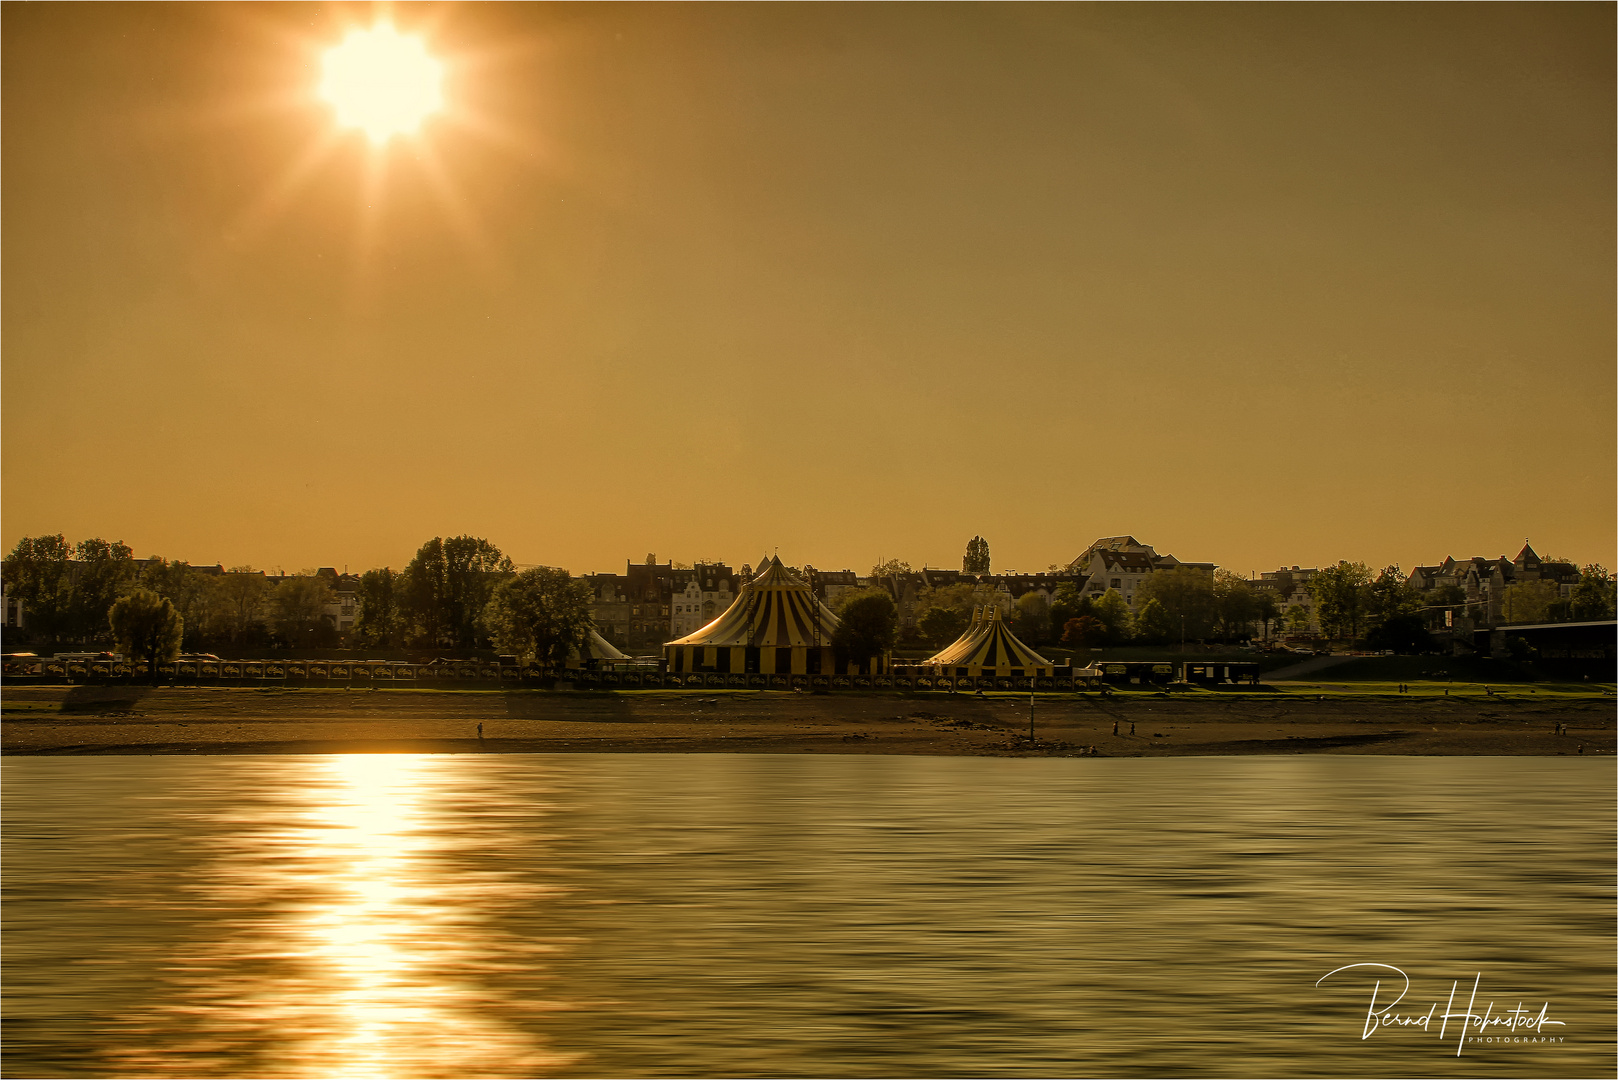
<point>1215,673</point>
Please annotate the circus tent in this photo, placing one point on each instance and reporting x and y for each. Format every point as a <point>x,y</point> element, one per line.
<point>776,626</point>
<point>597,649</point>
<point>988,647</point>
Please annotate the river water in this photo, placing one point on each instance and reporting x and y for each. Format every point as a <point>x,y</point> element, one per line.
<point>760,915</point>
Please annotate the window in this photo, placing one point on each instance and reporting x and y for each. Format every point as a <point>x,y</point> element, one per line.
<point>1116,583</point>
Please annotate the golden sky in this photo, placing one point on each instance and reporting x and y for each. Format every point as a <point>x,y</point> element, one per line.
<point>1259,284</point>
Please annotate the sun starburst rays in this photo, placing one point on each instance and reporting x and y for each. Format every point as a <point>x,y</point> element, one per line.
<point>390,104</point>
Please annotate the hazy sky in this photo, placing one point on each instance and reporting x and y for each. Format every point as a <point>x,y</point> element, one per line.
<point>1258,284</point>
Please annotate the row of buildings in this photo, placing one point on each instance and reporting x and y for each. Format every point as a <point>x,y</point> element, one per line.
<point>651,603</point>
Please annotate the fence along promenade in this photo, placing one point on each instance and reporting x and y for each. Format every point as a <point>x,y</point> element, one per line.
<point>489,675</point>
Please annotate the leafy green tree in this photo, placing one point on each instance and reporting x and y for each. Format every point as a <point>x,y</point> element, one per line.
<point>539,615</point>
<point>976,560</point>
<point>1341,595</point>
<point>1069,603</point>
<point>1189,599</point>
<point>1388,596</point>
<point>1153,625</point>
<point>1235,605</point>
<point>1268,609</point>
<point>190,590</point>
<point>890,568</point>
<point>1529,601</point>
<point>941,625</point>
<point>105,571</point>
<point>447,585</point>
<point>1405,633</point>
<point>1297,619</point>
<point>1084,632</point>
<point>147,628</point>
<point>1441,599</point>
<point>298,609</point>
<point>38,574</point>
<point>962,598</point>
<point>1592,597</point>
<point>1113,611</point>
<point>377,621</point>
<point>241,593</point>
<point>869,625</point>
<point>1031,619</point>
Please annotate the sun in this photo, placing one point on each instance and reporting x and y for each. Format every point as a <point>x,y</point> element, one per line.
<point>383,82</point>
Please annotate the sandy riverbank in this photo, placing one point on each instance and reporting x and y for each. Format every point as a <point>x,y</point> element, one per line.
<point>125,720</point>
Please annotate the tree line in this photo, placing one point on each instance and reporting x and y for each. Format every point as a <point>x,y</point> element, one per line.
<point>459,594</point>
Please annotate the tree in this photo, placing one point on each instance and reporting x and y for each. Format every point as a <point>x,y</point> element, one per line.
<point>1442,598</point>
<point>941,625</point>
<point>1529,601</point>
<point>298,609</point>
<point>1032,618</point>
<point>976,560</point>
<point>1592,597</point>
<point>192,592</point>
<point>961,597</point>
<point>241,595</point>
<point>1269,609</point>
<point>1341,594</point>
<point>1404,633</point>
<point>1084,632</point>
<point>1153,625</point>
<point>1114,614</point>
<point>105,571</point>
<point>147,628</point>
<point>447,585</point>
<point>1388,596</point>
<point>378,618</point>
<point>539,615</point>
<point>869,625</point>
<point>1190,601</point>
<point>1297,619</point>
<point>1236,606</point>
<point>890,568</point>
<point>1069,603</point>
<point>37,573</point>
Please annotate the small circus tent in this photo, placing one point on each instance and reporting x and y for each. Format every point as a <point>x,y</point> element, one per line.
<point>988,647</point>
<point>776,626</point>
<point>597,650</point>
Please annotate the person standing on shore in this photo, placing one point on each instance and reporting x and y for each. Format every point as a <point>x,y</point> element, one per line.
<point>480,732</point>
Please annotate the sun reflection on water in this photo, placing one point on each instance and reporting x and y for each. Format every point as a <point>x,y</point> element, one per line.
<point>361,934</point>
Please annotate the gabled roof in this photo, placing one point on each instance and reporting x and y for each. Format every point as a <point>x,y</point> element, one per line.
<point>774,610</point>
<point>1131,561</point>
<point>988,643</point>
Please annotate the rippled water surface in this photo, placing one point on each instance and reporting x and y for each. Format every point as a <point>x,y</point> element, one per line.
<point>579,915</point>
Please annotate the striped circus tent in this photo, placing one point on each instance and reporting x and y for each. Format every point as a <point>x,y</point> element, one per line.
<point>596,648</point>
<point>988,647</point>
<point>774,627</point>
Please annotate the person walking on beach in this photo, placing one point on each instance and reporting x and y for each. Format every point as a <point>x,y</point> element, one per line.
<point>480,733</point>
<point>1115,727</point>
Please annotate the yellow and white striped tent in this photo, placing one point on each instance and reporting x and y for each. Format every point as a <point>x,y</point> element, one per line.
<point>596,648</point>
<point>774,627</point>
<point>988,647</point>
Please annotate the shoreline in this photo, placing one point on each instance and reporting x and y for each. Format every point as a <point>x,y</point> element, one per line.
<point>127,720</point>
